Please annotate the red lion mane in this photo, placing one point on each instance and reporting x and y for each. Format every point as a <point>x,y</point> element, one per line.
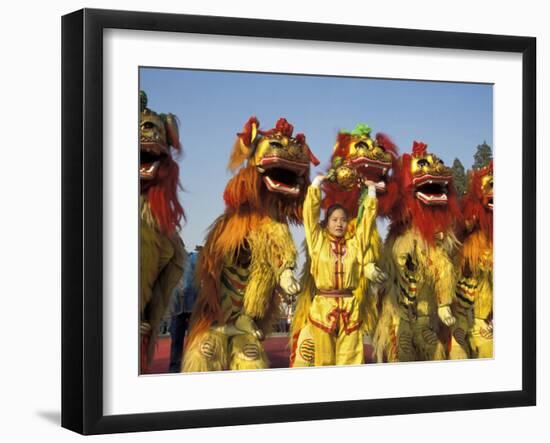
<point>410,211</point>
<point>162,192</point>
<point>473,209</point>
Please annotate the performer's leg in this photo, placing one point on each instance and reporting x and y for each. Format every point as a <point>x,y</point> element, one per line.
<point>459,345</point>
<point>349,348</point>
<point>403,342</point>
<point>349,343</point>
<point>305,348</point>
<point>207,353</point>
<point>321,329</point>
<point>247,352</point>
<point>325,347</point>
<point>481,339</point>
<point>427,343</point>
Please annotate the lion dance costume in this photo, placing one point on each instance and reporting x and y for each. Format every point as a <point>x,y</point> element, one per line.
<point>418,258</point>
<point>472,335</point>
<point>249,255</point>
<point>356,156</point>
<point>161,248</point>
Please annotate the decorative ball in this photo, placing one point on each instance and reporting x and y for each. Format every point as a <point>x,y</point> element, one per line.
<point>346,177</point>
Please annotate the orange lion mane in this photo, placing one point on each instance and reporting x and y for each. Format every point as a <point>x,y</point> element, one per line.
<point>248,205</point>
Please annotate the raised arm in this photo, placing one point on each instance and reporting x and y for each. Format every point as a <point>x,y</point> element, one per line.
<point>366,222</point>
<point>312,212</point>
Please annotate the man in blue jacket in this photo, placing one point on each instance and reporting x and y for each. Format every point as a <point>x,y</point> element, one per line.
<point>183,300</point>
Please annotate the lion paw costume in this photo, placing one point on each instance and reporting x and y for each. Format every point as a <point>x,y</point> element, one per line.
<point>356,156</point>
<point>472,335</point>
<point>418,258</point>
<point>249,255</point>
<point>161,249</point>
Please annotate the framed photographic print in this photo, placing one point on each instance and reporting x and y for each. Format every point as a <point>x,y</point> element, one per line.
<point>269,221</point>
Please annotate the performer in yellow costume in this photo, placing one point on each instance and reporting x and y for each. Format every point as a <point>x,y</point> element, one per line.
<point>355,157</point>
<point>248,258</point>
<point>162,255</point>
<point>418,256</point>
<point>337,262</point>
<point>472,335</point>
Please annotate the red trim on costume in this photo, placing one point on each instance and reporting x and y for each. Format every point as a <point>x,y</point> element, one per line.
<point>335,292</point>
<point>393,340</point>
<point>236,302</point>
<point>335,314</point>
<point>235,283</point>
<point>322,326</point>
<point>353,328</point>
<point>294,347</point>
<point>338,248</point>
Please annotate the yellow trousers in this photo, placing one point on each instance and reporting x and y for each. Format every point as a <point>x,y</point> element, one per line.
<point>304,351</point>
<point>471,340</point>
<point>215,351</point>
<point>336,331</point>
<point>481,339</point>
<point>459,347</point>
<point>415,340</point>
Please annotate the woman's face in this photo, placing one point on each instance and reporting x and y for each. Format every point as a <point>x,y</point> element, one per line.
<point>337,223</point>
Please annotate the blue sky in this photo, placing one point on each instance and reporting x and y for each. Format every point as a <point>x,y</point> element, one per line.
<point>212,106</point>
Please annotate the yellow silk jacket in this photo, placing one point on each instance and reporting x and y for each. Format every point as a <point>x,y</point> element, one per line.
<point>337,264</point>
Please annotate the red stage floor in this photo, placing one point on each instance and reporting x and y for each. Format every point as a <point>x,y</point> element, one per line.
<point>275,346</point>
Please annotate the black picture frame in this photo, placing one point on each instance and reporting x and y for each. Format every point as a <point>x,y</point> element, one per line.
<point>82,220</point>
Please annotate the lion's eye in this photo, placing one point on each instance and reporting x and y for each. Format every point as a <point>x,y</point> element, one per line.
<point>275,144</point>
<point>422,163</point>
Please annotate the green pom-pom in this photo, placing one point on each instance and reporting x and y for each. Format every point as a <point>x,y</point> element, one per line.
<point>142,100</point>
<point>337,161</point>
<point>361,129</point>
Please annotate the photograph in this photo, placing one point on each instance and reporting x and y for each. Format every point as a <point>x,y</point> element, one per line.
<point>272,220</point>
<point>294,221</point>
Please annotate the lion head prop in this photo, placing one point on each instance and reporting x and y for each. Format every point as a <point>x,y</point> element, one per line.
<point>477,203</point>
<point>276,174</point>
<point>427,197</point>
<point>161,248</point>
<point>271,175</point>
<point>158,171</point>
<point>357,157</point>
<point>477,208</point>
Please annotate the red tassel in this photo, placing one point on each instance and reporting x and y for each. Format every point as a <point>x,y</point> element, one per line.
<point>419,149</point>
